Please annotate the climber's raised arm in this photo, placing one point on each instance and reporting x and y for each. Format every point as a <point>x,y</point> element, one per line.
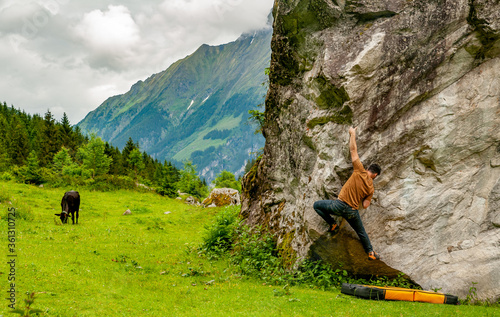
<point>352,144</point>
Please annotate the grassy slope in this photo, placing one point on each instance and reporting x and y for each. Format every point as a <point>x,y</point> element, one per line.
<point>75,267</point>
<point>197,143</point>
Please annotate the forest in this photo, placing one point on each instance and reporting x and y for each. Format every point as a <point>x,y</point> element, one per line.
<point>41,150</point>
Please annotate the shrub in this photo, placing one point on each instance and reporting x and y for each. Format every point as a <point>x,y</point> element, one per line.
<point>6,176</point>
<point>220,234</point>
<point>167,191</point>
<point>227,180</point>
<point>255,253</point>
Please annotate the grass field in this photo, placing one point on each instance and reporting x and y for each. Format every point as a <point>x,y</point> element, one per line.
<point>147,264</point>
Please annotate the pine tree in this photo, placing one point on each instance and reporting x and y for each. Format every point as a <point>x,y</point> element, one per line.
<point>79,138</point>
<point>67,134</point>
<point>35,126</point>
<point>167,177</point>
<point>50,140</point>
<point>116,167</point>
<point>18,143</point>
<point>4,147</point>
<point>32,172</point>
<point>129,147</point>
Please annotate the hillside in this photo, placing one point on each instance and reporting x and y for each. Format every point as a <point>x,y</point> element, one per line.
<point>171,113</point>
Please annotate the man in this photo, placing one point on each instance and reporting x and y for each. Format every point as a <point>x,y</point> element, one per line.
<point>356,191</point>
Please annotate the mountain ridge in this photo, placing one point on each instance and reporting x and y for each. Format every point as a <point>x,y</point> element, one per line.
<point>171,112</point>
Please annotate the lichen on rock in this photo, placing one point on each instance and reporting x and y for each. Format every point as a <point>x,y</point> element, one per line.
<point>220,197</point>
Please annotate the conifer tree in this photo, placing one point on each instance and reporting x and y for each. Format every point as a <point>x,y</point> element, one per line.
<point>116,167</point>
<point>150,166</point>
<point>35,127</point>
<point>129,147</point>
<point>4,153</point>
<point>18,143</point>
<point>32,172</point>
<point>66,133</point>
<point>50,140</point>
<point>79,138</point>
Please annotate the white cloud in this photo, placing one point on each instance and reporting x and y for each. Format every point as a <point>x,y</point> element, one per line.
<point>110,37</point>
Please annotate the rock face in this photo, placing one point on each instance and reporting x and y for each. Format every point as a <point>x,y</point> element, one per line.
<point>222,197</point>
<point>421,80</point>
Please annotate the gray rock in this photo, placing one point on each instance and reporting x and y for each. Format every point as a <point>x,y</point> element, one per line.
<point>421,80</point>
<point>495,162</point>
<point>222,197</point>
<point>127,212</point>
<point>192,201</point>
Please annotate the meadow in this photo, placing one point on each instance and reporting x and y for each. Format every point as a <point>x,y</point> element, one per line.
<point>149,264</point>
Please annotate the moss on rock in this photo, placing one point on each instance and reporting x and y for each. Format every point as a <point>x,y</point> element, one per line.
<point>343,116</point>
<point>297,50</point>
<point>330,96</point>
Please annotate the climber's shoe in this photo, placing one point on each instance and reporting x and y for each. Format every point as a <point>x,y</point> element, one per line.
<point>373,256</point>
<point>334,229</point>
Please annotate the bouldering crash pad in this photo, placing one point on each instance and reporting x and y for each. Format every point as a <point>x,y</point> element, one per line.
<point>396,293</point>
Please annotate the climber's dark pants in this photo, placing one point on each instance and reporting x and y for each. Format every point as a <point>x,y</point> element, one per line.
<point>327,208</point>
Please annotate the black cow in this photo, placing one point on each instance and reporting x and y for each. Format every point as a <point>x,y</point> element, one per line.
<point>70,204</point>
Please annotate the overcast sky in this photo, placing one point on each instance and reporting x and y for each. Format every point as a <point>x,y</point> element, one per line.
<point>71,55</point>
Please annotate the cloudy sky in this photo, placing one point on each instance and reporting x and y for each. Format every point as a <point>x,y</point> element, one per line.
<point>71,55</point>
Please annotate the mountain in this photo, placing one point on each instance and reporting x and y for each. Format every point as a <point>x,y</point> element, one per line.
<point>195,110</point>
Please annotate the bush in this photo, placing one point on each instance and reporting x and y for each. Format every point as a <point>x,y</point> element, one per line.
<point>255,253</point>
<point>220,234</point>
<point>167,191</point>
<point>227,180</point>
<point>6,176</point>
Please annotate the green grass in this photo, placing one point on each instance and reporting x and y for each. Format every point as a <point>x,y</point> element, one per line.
<point>200,144</point>
<point>147,264</point>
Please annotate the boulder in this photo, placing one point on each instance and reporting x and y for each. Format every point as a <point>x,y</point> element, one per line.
<point>191,201</point>
<point>222,197</point>
<point>421,81</point>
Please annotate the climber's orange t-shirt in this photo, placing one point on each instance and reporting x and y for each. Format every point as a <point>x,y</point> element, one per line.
<point>359,187</point>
